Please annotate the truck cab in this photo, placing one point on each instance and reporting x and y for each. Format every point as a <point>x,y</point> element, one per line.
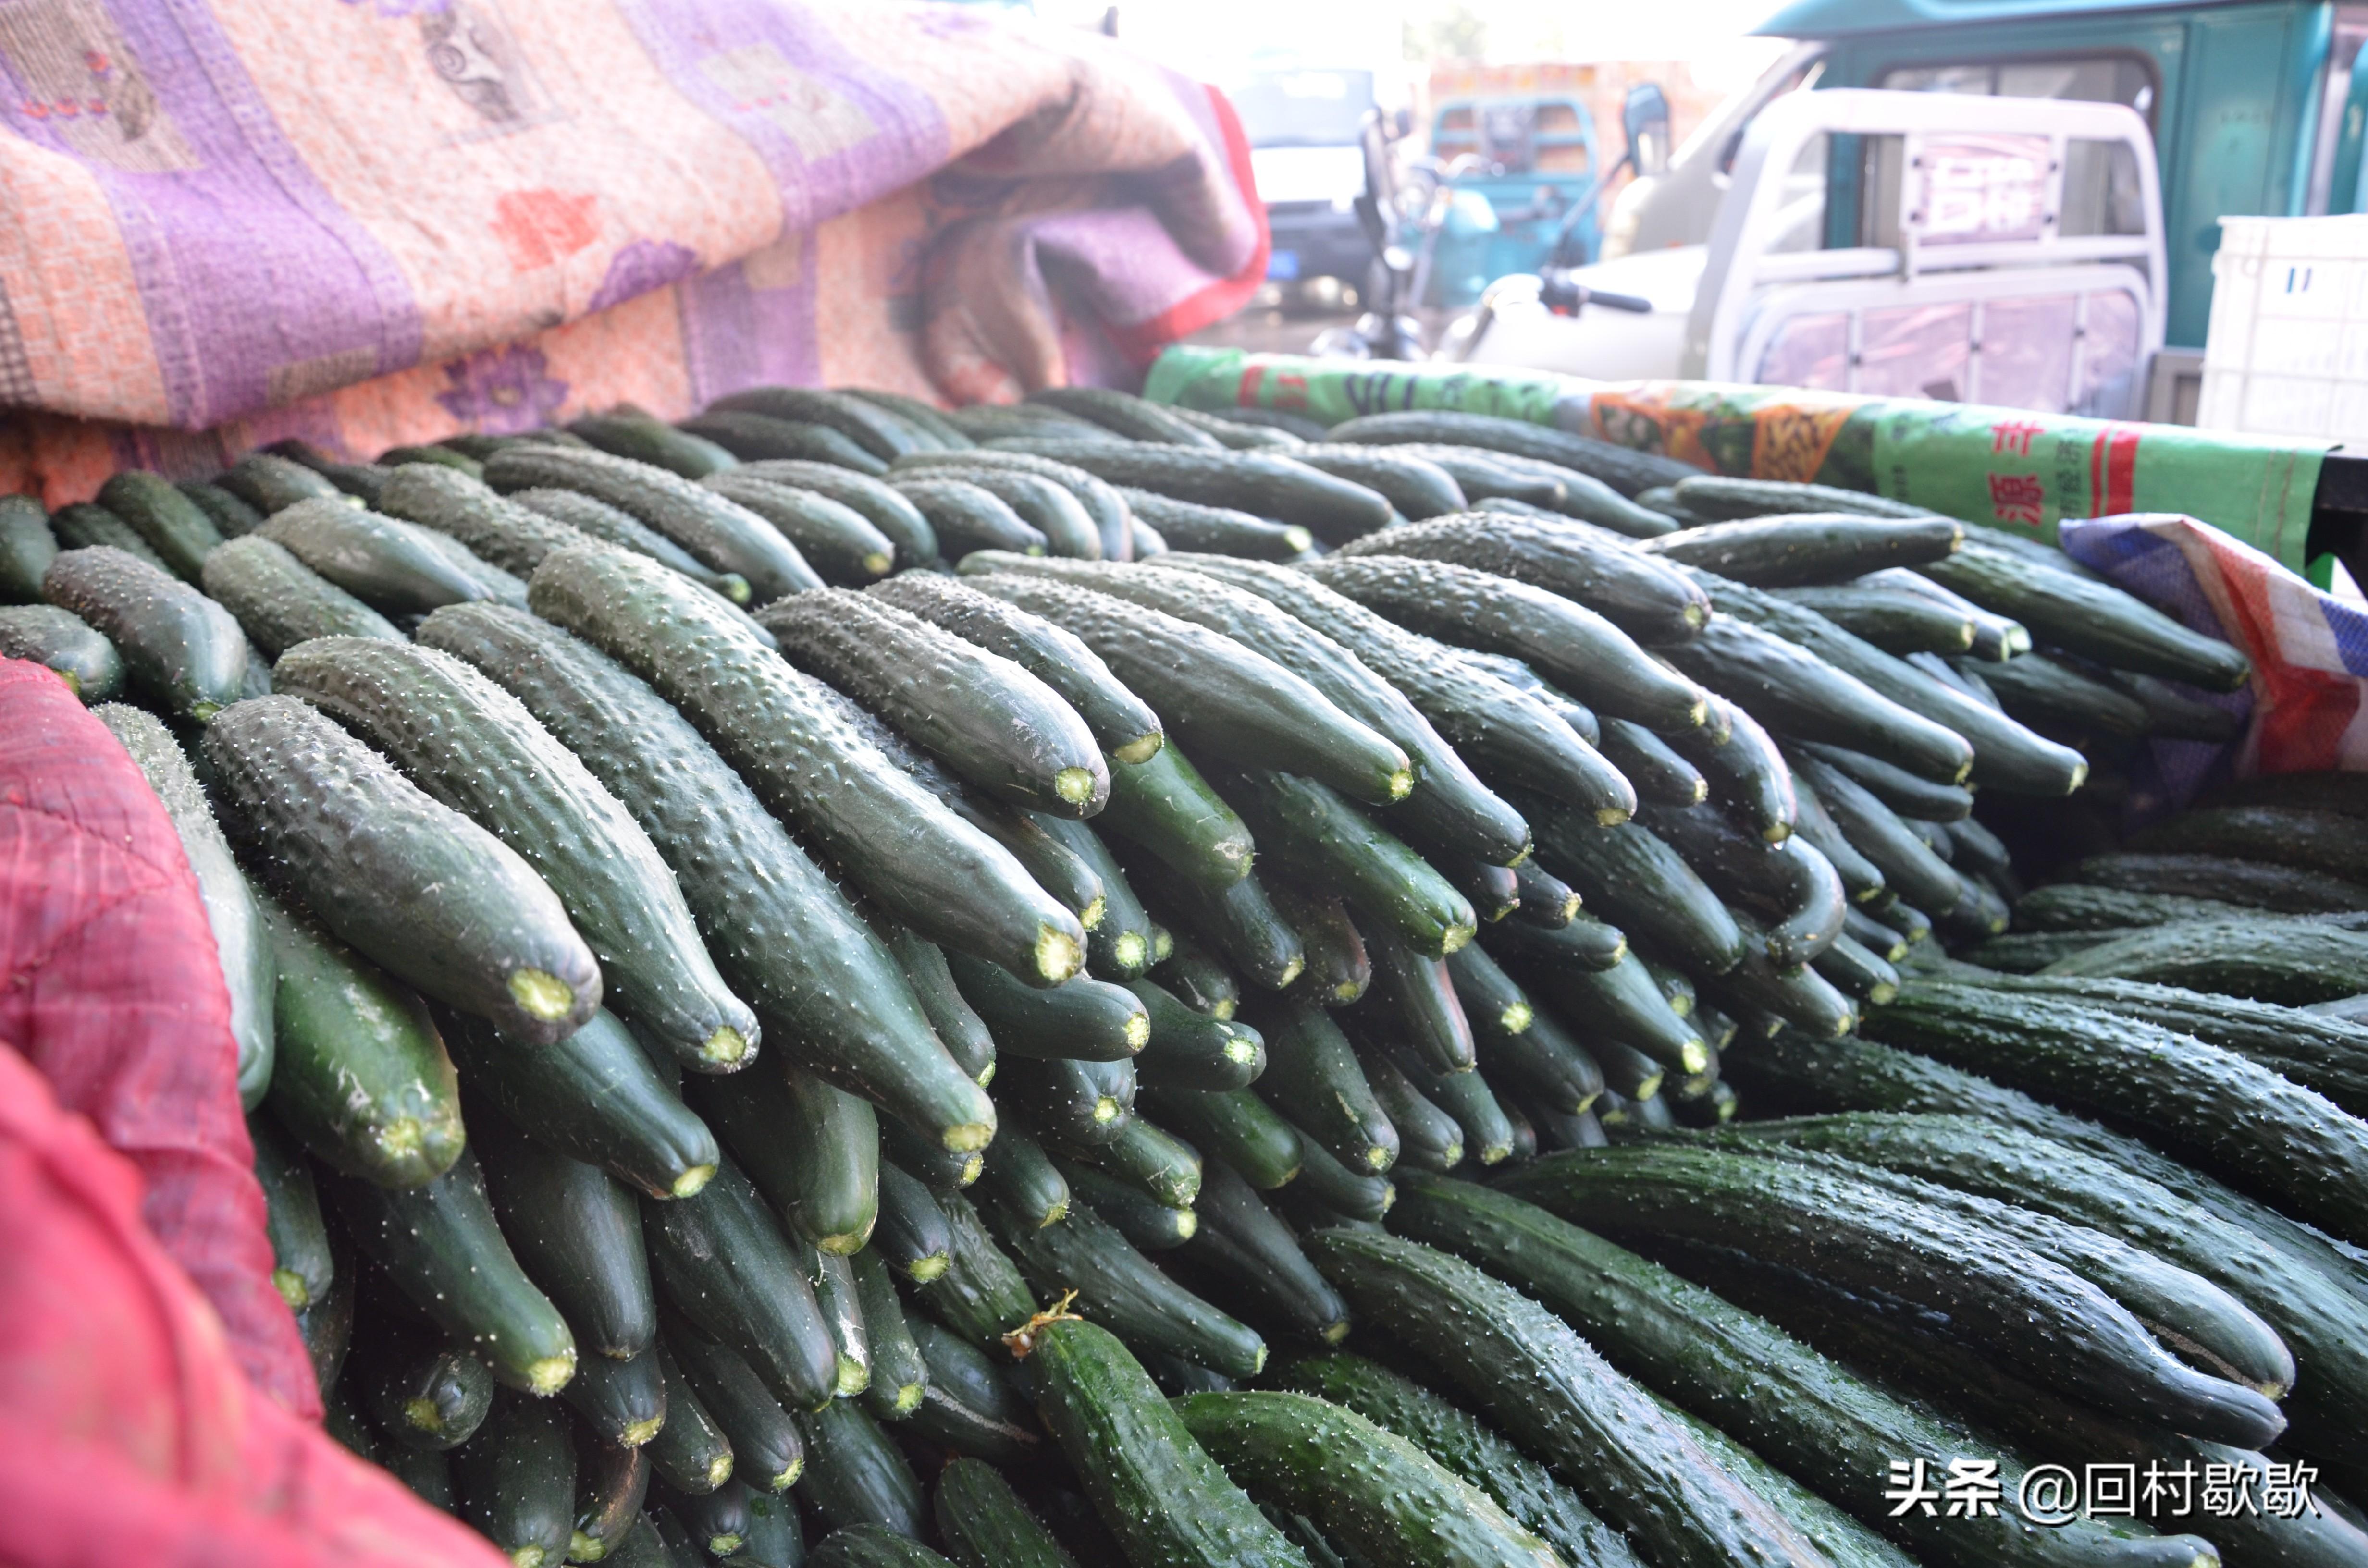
<point>2251,107</point>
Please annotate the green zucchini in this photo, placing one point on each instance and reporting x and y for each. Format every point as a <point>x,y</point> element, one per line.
<point>1898,620</point>
<point>1413,1007</point>
<point>1326,842</point>
<point>899,1374</point>
<point>1234,701</point>
<point>838,542</point>
<point>515,1481</point>
<point>878,504</point>
<point>1799,548</point>
<point>757,438</point>
<point>1625,586</point>
<point>1192,1050</point>
<point>1571,645</point>
<point>912,1236</point>
<point>1199,979</point>
<point>723,1262</point>
<point>1547,900</point>
<point>574,1231</point>
<point>1557,1396</point>
<point>1235,1126</point>
<point>477,749</point>
<point>1151,1160</point>
<point>233,910</point>
<point>621,1402</point>
<point>776,1538</point>
<point>1428,1136</point>
<point>767,1450</point>
<point>27,547</point>
<point>1628,875</point>
<point>1022,1178</point>
<point>1217,530</point>
<point>360,1076</point>
<point>66,645</point>
<point>854,1473</point>
<point>969,1405</point>
<point>1163,805</point>
<point>1137,1460</point>
<point>984,1524</point>
<point>1337,969</point>
<point>441,1245</point>
<point>1523,1488</point>
<point>716,1522</point>
<point>1507,736</point>
<point>422,1392</point>
<point>1543,1061</point>
<point>1743,771</point>
<point>1855,971</point>
<point>303,1267</point>
<point>173,525</point>
<point>613,525</point>
<point>1123,1290</point>
<point>880,433</point>
<point>1237,1239</point>
<point>1580,942</point>
<point>811,1150</point>
<point>1240,922</point>
<point>2023,1309</point>
<point>180,648</point>
<point>724,536</point>
<point>925,868</point>
<point>961,1030</point>
<point>87,526</point>
<point>691,1451</point>
<point>1147,1225</point>
<point>278,601</point>
<point>1353,1194</point>
<point>2088,617</point>
<point>1659,774</point>
<point>1493,891</point>
<point>2289,1143</point>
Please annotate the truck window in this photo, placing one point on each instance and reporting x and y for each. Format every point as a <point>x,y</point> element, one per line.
<point>2126,79</point>
<point>1304,109</point>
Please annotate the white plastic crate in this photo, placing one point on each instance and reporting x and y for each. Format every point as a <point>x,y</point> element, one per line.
<point>2287,351</point>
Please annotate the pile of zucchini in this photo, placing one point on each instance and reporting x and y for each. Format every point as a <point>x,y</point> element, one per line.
<point>1054,984</point>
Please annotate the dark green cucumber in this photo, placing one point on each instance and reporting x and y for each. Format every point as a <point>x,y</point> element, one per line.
<point>595,1097</point>
<point>479,750</point>
<point>1324,841</point>
<point>1624,469</point>
<point>1628,875</point>
<point>1118,946</point>
<point>1907,863</point>
<point>392,565</point>
<point>767,1450</point>
<point>757,438</point>
<point>1523,1488</point>
<point>1190,1050</point>
<point>428,1472</point>
<point>433,452</point>
<point>612,525</point>
<point>2305,838</point>
<point>1789,886</point>
<point>1762,987</point>
<point>421,1391</point>
<point>811,1150</point>
<point>1081,1104</point>
<point>878,504</point>
<point>1044,504</point>
<point>838,542</point>
<point>1507,736</point>
<point>1022,1178</point>
<point>360,1076</point>
<point>2053,696</point>
<point>775,1538</point>
<point>1718,496</point>
<point>1428,1136</point>
<point>1580,942</point>
<point>963,1032</point>
<point>1851,969</point>
<point>1367,1489</point>
<point>1113,518</point>
<point>1493,891</point>
<point>1862,880</point>
<point>1897,621</point>
<point>1619,1004</point>
<point>66,645</point>
<point>2088,617</point>
<point>1163,805</point>
<point>1151,1160</point>
<point>279,601</point>
<point>1744,770</point>
<point>2010,1299</point>
<point>497,529</point>
<point>984,1524</point>
<point>716,1522</point>
<point>441,1245</point>
<point>1488,1128</point>
<point>912,1236</point>
<point>1557,1396</point>
<point>1843,1540</point>
<point>722,1260</point>
<point>1905,794</point>
<point>1137,1460</point>
<point>970,1406</point>
<point>1236,702</point>
<point>1413,1007</point>
<point>1659,774</point>
<point>881,434</point>
<point>1884,941</point>
<point>1199,979</point>
<point>1147,1225</point>
<point>358,480</point>
<point>2172,713</point>
<point>233,910</point>
<point>621,1402</point>
<point>985,716</point>
<point>691,1451</point>
<point>1546,1064</point>
<point>1217,530</point>
<point>966,518</point>
<point>1235,1126</point>
<point>515,1481</point>
<point>1123,1290</point>
<point>1126,414</point>
<point>1266,483</point>
<point>649,440</point>
<point>27,547</point>
<point>925,868</point>
<point>926,418</point>
<point>575,1230</point>
<point>1994,638</point>
<point>899,1374</point>
<point>1799,548</point>
<point>1312,1076</point>
<point>873,1546</point>
<point>1571,645</point>
<point>1414,486</point>
<point>302,1265</point>
<point>87,526</point>
<point>231,515</point>
<point>1239,922</point>
<point>180,648</point>
<point>1634,592</point>
<point>1448,805</point>
<point>2213,1107</point>
<point>2074,906</point>
<point>1338,970</point>
<point>855,1474</point>
<point>1237,1239</point>
<point>724,535</point>
<point>1353,1194</point>
<point>175,527</point>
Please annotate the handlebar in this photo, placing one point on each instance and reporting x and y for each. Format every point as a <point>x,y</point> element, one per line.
<point>1563,297</point>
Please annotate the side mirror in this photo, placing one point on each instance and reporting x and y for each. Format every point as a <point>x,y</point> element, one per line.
<point>1646,117</point>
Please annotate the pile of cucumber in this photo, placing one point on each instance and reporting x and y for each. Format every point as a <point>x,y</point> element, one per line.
<point>1054,984</point>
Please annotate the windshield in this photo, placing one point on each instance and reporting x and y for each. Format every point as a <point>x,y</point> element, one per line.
<point>1304,109</point>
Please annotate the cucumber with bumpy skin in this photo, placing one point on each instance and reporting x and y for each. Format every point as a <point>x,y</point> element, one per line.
<point>515,1481</point>
<point>1219,530</point>
<point>1624,469</point>
<point>575,1230</point>
<point>27,547</point>
<point>1627,587</point>
<point>880,433</point>
<point>1151,1159</point>
<point>1045,505</point>
<point>969,1405</point>
<point>767,1450</point>
<point>476,748</point>
<point>611,525</point>
<point>180,648</point>
<point>1797,548</point>
<point>691,1451</point>
<point>392,565</point>
<point>984,1524</point>
<point>812,1151</point>
<point>1240,922</point>
<point>1628,875</point>
<point>2089,618</point>
<point>67,645</point>
<point>1326,842</point>
<point>1237,1239</point>
<point>1021,1178</point>
<point>1235,1126</point>
<point>279,601</point>
<point>854,1473</point>
<point>839,542</point>
<point>302,1265</point>
<point>1338,968</point>
<point>925,867</point>
<point>900,1376</point>
<point>1165,806</point>
<point>879,503</point>
<point>1118,945</point>
<point>173,525</point>
<point>721,1261</point>
<point>85,525</point>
